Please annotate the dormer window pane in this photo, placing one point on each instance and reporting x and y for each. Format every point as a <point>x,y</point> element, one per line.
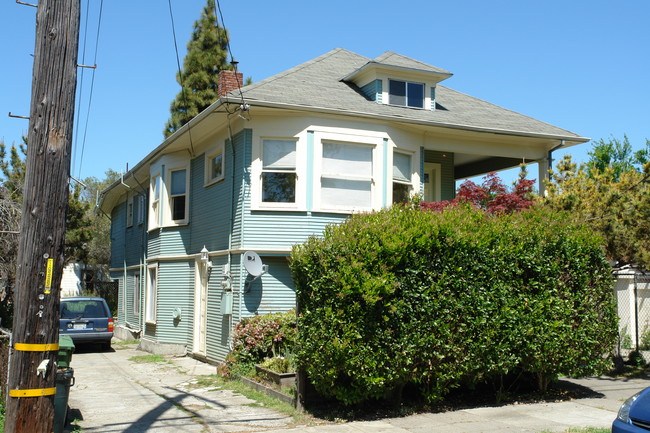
<point>406,94</point>
<point>415,95</point>
<point>397,91</point>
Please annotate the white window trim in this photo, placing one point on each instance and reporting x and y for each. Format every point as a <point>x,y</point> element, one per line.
<point>257,171</point>
<point>208,180</point>
<point>151,295</point>
<point>167,216</point>
<point>163,167</point>
<point>155,202</point>
<point>412,173</point>
<point>137,285</point>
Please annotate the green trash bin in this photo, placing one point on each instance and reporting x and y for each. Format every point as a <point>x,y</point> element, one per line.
<point>66,349</point>
<point>64,380</point>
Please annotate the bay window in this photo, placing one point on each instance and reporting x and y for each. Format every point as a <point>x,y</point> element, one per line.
<point>178,199</point>
<point>401,177</point>
<point>346,176</point>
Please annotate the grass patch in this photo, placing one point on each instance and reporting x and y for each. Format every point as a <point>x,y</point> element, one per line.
<point>148,359</point>
<point>262,399</point>
<point>124,343</point>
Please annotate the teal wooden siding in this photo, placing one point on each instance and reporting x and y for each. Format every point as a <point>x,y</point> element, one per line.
<point>448,185</point>
<point>243,142</point>
<point>267,229</point>
<point>373,91</point>
<point>209,208</point>
<point>272,292</point>
<point>118,235</point>
<point>175,290</point>
<point>433,98</point>
<point>128,289</point>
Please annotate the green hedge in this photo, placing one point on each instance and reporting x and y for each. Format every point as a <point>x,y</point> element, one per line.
<point>405,296</point>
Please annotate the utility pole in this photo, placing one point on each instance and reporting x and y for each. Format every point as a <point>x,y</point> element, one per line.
<point>32,371</point>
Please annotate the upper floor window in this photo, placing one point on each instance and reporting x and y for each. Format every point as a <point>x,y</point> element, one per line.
<point>406,93</point>
<point>279,171</point>
<point>178,199</point>
<point>214,166</point>
<point>401,177</point>
<point>169,191</point>
<point>346,179</point>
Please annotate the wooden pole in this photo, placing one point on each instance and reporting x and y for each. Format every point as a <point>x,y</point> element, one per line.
<point>30,405</point>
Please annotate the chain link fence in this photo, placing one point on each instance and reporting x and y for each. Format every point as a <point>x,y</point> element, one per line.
<point>633,300</point>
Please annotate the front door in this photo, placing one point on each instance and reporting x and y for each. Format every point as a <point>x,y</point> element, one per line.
<point>200,307</point>
<point>431,182</point>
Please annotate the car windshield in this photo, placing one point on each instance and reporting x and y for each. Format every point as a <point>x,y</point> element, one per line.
<point>82,309</point>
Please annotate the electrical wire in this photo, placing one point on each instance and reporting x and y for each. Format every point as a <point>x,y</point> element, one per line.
<point>232,58</point>
<point>180,74</point>
<point>92,86</point>
<point>81,83</point>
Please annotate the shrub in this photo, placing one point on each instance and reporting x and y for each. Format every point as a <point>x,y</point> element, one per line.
<point>404,296</point>
<point>258,337</point>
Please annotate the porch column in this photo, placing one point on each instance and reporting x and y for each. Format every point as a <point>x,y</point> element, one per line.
<point>544,165</point>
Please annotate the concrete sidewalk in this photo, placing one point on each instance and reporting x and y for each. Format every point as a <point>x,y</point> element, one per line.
<point>114,394</point>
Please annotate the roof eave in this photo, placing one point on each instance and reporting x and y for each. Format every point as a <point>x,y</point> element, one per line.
<point>575,139</point>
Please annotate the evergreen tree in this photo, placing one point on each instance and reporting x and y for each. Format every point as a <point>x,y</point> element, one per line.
<point>610,193</point>
<point>207,54</point>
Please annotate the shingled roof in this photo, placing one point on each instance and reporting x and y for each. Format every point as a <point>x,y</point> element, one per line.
<point>318,85</point>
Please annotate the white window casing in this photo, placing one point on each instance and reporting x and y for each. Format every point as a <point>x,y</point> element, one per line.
<point>214,166</point>
<point>169,198</point>
<point>151,294</point>
<point>279,185</point>
<point>402,185</point>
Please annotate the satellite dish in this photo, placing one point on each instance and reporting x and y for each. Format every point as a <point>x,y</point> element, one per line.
<point>253,264</point>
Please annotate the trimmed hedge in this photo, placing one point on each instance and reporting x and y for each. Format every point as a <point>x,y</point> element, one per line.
<point>404,296</point>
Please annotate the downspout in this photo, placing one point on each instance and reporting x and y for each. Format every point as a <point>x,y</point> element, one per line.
<point>232,224</point>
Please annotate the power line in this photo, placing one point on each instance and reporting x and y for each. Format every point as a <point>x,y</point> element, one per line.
<point>180,74</point>
<point>92,86</point>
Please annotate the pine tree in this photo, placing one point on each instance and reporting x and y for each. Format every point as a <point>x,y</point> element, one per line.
<point>207,54</point>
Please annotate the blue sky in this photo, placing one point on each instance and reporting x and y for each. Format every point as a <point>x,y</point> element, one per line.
<point>580,65</point>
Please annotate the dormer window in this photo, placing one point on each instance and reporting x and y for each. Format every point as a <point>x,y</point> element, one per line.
<point>406,93</point>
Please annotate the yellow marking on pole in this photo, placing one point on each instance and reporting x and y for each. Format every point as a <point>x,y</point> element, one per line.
<point>25,347</point>
<point>42,392</point>
<point>48,276</point>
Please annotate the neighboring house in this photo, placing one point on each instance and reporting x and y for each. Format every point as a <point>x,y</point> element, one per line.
<point>72,280</point>
<point>267,166</point>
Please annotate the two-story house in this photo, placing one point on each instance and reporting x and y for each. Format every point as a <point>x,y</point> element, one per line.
<point>272,163</point>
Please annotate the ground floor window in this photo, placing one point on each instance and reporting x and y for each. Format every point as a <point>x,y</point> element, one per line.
<point>151,294</point>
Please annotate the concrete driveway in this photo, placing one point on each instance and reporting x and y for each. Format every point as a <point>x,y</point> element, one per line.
<point>114,394</point>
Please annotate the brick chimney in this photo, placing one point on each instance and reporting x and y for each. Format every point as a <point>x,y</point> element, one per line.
<point>229,81</point>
